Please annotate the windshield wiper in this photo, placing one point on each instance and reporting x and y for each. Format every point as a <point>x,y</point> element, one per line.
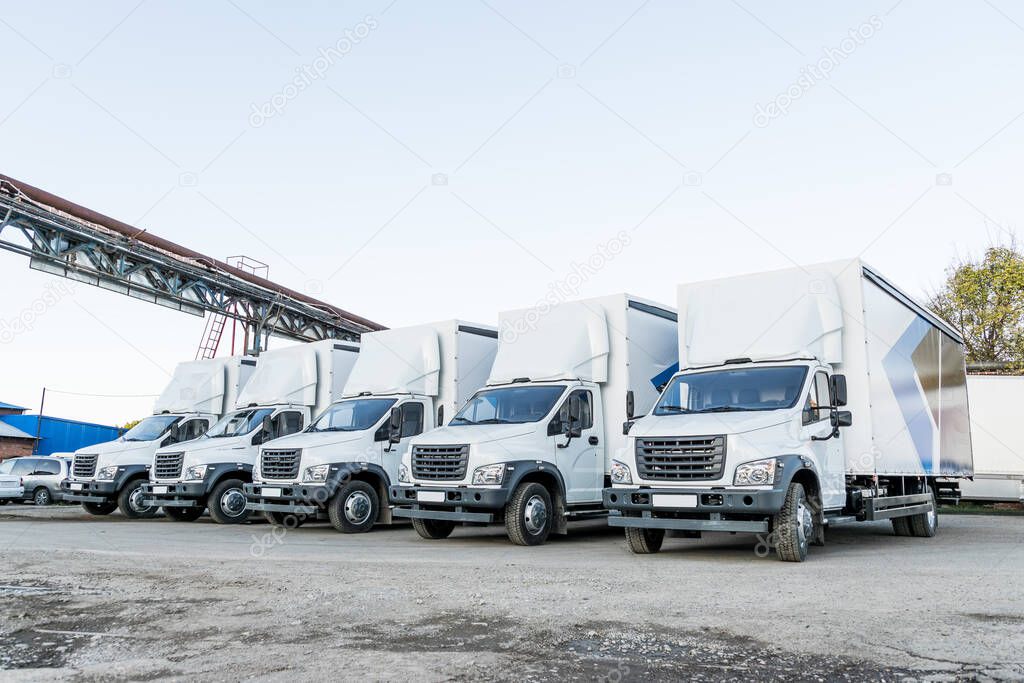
<point>494,421</point>
<point>463,420</point>
<point>724,409</point>
<point>675,409</point>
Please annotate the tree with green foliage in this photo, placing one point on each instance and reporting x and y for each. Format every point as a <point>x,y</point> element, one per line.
<point>984,300</point>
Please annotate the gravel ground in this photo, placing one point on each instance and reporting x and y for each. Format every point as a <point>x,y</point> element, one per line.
<point>91,598</point>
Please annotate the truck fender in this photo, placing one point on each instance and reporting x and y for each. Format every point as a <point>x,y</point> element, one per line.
<point>125,473</point>
<point>524,468</point>
<point>794,466</point>
<point>342,472</point>
<point>217,471</point>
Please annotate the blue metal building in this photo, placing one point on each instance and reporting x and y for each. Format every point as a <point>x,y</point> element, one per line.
<point>58,435</point>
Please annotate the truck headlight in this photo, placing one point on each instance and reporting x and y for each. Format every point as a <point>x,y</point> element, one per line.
<point>489,474</point>
<point>317,474</point>
<point>107,473</point>
<point>756,473</point>
<point>403,473</point>
<point>195,473</point>
<point>620,473</point>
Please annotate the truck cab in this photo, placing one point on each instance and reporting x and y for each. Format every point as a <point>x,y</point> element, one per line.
<point>110,475</point>
<point>205,472</point>
<point>342,464</point>
<point>404,382</point>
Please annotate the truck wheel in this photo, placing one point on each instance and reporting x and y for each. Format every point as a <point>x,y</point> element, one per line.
<point>285,519</point>
<point>433,528</point>
<point>354,508</point>
<point>42,496</point>
<point>226,502</point>
<point>644,541</point>
<point>793,525</point>
<point>129,501</point>
<point>925,524</point>
<point>528,515</point>
<point>99,508</point>
<point>901,526</point>
<point>183,514</point>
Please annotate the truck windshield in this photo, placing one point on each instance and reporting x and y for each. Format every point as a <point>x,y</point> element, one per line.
<point>151,428</point>
<point>238,423</point>
<point>719,391</point>
<point>352,416</point>
<point>508,405</point>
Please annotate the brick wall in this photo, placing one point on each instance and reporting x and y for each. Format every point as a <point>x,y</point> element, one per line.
<point>10,448</point>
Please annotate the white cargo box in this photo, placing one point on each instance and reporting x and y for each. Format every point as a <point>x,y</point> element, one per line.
<point>310,375</point>
<point>206,386</point>
<point>997,437</point>
<point>447,360</point>
<point>904,366</point>
<point>619,341</point>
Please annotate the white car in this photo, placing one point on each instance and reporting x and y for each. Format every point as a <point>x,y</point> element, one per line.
<point>11,488</point>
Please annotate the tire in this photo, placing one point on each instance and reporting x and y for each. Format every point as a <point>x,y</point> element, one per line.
<point>99,508</point>
<point>644,541</point>
<point>528,515</point>
<point>354,508</point>
<point>285,519</point>
<point>226,502</point>
<point>901,526</point>
<point>433,528</point>
<point>793,525</point>
<point>42,496</point>
<point>129,501</point>
<point>926,524</point>
<point>184,514</point>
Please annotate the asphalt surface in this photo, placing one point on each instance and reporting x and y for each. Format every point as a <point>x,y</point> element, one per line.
<point>90,598</point>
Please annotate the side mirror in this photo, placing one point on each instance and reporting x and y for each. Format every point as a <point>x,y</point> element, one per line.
<point>839,389</point>
<point>630,405</point>
<point>842,418</point>
<point>395,426</point>
<point>440,416</point>
<point>175,433</point>
<point>572,425</point>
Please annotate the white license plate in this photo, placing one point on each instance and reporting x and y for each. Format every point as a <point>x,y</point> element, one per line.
<point>159,489</point>
<point>430,496</point>
<point>270,493</point>
<point>76,487</point>
<point>675,500</point>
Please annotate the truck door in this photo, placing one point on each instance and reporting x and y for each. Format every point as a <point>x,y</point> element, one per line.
<point>579,458</point>
<point>286,422</point>
<point>828,451</point>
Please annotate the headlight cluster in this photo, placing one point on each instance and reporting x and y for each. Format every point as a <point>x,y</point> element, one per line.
<point>317,474</point>
<point>403,473</point>
<point>489,474</point>
<point>107,473</point>
<point>196,473</point>
<point>756,473</point>
<point>620,473</point>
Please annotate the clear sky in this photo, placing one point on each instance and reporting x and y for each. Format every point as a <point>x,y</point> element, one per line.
<point>457,158</point>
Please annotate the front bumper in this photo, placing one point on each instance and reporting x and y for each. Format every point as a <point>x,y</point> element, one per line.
<point>88,491</point>
<point>306,499</point>
<point>693,509</point>
<point>174,495</point>
<point>459,504</point>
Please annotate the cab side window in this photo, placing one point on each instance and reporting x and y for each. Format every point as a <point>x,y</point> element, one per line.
<point>586,412</point>
<point>286,423</point>
<point>819,400</point>
<point>412,419</point>
<point>194,429</point>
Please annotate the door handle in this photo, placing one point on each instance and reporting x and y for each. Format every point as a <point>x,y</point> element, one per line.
<point>592,441</point>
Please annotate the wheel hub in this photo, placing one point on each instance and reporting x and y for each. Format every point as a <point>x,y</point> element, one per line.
<point>233,502</point>
<point>135,501</point>
<point>358,507</point>
<point>535,515</point>
<point>805,519</point>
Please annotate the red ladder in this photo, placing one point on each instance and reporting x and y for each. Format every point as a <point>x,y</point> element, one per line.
<point>211,336</point>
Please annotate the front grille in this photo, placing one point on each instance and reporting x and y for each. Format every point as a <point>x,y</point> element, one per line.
<point>439,463</point>
<point>280,464</point>
<point>168,465</point>
<point>85,465</point>
<point>680,459</point>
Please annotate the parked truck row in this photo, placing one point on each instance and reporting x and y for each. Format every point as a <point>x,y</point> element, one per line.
<point>778,404</point>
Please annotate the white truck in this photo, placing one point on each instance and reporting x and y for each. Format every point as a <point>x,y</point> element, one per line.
<point>290,386</point>
<point>405,382</point>
<point>110,475</point>
<point>998,439</point>
<point>750,435</point>
<point>532,449</point>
